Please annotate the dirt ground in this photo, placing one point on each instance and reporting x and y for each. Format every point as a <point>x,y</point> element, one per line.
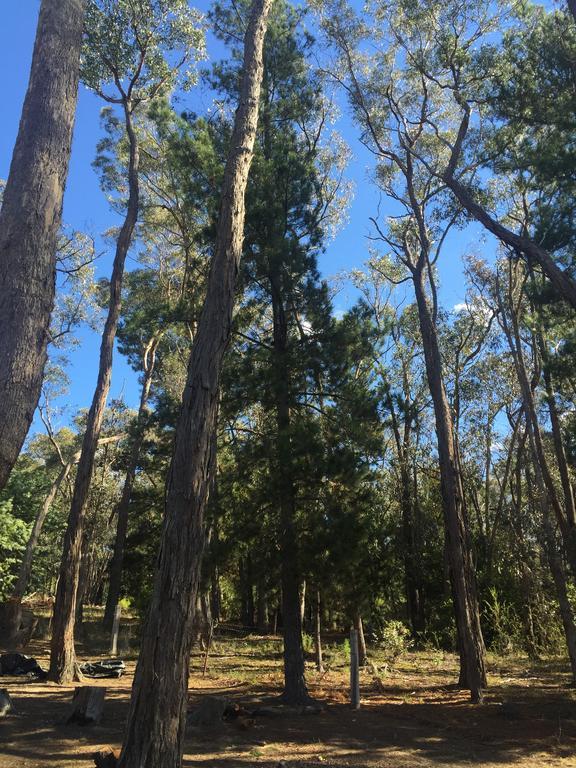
<point>410,716</point>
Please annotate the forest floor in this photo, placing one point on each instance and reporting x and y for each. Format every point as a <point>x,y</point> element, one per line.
<point>410,716</point>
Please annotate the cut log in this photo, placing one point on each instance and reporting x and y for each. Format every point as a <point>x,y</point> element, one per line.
<point>87,705</point>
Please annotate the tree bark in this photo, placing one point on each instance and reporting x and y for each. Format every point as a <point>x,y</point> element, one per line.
<point>30,219</point>
<point>359,627</point>
<point>123,506</point>
<point>463,578</point>
<point>318,633</point>
<point>295,690</point>
<point>157,717</point>
<point>62,655</point>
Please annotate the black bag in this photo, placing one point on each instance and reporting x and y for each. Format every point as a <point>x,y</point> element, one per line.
<point>104,668</point>
<point>18,664</point>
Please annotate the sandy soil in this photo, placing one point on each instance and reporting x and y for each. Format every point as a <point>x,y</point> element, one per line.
<point>410,717</point>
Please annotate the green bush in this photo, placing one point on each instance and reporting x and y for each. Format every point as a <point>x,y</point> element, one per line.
<point>394,639</point>
<point>13,537</point>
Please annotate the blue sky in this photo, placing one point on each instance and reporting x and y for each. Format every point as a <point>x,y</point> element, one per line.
<point>86,209</point>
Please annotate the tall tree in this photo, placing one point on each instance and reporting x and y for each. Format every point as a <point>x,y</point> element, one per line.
<point>157,718</point>
<point>290,199</point>
<point>392,107</point>
<point>30,219</point>
<point>129,46</point>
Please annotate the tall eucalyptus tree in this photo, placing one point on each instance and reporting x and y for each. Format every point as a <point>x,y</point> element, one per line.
<point>128,60</point>
<point>30,219</point>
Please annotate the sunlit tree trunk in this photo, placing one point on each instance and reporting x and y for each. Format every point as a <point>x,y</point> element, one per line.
<point>462,572</point>
<point>62,654</point>
<point>157,717</point>
<point>30,219</point>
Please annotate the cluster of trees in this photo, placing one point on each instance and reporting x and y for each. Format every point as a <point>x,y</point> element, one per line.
<point>291,466</point>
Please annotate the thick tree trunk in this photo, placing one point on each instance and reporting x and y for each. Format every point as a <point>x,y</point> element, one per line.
<point>157,717</point>
<point>123,506</point>
<point>30,219</point>
<point>62,655</point>
<point>463,578</point>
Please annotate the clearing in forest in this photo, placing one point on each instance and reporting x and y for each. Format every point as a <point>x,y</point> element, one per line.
<point>410,717</point>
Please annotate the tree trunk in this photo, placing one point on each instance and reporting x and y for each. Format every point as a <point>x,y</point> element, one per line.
<point>408,490</point>
<point>566,610</point>
<point>463,579</point>
<point>261,608</point>
<point>556,565</point>
<point>30,219</point>
<point>246,592</point>
<point>62,653</point>
<point>359,627</point>
<point>157,717</point>
<point>511,329</point>
<point>302,601</point>
<point>295,690</point>
<point>318,633</point>
<point>122,508</point>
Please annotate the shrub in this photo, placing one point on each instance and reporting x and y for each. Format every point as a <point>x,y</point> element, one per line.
<point>394,639</point>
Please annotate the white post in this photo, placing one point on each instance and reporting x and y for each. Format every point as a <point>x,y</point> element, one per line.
<point>354,671</point>
<point>115,631</point>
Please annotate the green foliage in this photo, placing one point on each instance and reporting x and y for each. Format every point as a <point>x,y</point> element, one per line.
<point>132,45</point>
<point>394,639</point>
<point>13,537</point>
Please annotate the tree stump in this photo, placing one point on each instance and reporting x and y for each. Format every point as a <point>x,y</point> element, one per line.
<point>87,705</point>
<point>6,704</point>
